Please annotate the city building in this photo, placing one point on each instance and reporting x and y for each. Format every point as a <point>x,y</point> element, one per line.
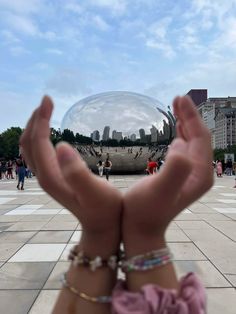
<point>95,136</point>
<point>218,115</point>
<point>153,131</point>
<point>142,135</point>
<point>225,127</point>
<point>117,135</point>
<point>198,95</point>
<point>106,133</point>
<point>133,137</point>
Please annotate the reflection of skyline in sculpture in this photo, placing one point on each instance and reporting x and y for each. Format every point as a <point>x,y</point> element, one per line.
<point>120,116</point>
<point>106,133</point>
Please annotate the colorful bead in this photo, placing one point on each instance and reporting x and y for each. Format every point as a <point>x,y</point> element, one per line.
<point>100,299</point>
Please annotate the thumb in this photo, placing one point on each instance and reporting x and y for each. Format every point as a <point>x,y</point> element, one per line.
<point>75,171</point>
<point>175,170</point>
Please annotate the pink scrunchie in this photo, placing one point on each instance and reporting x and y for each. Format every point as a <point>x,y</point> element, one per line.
<point>152,299</point>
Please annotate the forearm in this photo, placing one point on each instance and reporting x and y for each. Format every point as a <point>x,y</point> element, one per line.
<point>164,276</point>
<point>93,283</point>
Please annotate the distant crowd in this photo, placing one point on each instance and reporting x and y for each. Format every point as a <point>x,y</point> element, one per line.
<point>221,167</point>
<point>15,169</point>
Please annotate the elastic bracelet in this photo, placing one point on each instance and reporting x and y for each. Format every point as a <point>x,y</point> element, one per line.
<point>100,299</point>
<point>147,261</point>
<point>78,258</point>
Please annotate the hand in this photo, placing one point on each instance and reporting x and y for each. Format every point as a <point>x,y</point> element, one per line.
<point>64,175</point>
<point>186,175</point>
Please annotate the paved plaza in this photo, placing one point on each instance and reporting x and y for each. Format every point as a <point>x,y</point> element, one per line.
<point>36,234</point>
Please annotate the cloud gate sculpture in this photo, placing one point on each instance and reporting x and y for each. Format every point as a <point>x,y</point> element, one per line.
<point>128,127</point>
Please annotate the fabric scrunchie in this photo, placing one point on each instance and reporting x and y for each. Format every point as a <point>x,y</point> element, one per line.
<point>152,299</point>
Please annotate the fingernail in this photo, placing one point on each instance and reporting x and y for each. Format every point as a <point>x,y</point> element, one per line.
<point>46,107</point>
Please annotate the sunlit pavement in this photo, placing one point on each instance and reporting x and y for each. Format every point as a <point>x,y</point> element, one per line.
<point>36,234</point>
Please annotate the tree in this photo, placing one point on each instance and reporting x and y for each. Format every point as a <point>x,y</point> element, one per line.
<point>81,139</point>
<point>9,142</point>
<point>68,136</point>
<point>55,136</point>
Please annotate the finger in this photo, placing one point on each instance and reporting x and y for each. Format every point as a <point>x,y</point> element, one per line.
<point>175,106</point>
<point>180,131</point>
<point>199,150</point>
<point>189,117</point>
<point>89,189</point>
<point>26,142</point>
<point>174,172</point>
<point>44,156</point>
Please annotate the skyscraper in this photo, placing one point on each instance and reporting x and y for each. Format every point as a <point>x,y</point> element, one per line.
<point>95,136</point>
<point>153,131</point>
<point>117,135</point>
<point>133,137</point>
<point>106,133</point>
<point>142,135</point>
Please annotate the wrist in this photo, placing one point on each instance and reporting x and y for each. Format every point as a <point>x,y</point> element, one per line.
<point>137,243</point>
<point>99,244</point>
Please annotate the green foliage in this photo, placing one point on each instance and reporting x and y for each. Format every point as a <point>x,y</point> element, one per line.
<point>68,136</point>
<point>9,143</point>
<point>219,152</point>
<point>55,136</point>
<point>81,139</point>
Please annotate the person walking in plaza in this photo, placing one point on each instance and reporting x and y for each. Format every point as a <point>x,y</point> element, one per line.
<point>107,167</point>
<point>9,170</point>
<point>100,168</point>
<point>3,169</point>
<point>151,166</point>
<point>21,171</point>
<point>229,167</point>
<point>139,218</point>
<point>219,170</point>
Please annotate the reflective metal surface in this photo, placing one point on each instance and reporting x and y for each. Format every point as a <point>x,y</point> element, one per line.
<point>123,124</point>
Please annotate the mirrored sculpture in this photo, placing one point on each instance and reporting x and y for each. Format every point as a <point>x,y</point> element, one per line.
<point>128,127</point>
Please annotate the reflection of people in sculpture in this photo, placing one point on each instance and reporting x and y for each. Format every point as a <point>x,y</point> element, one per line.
<point>100,168</point>
<point>136,155</point>
<point>151,166</point>
<point>107,167</point>
<point>139,218</point>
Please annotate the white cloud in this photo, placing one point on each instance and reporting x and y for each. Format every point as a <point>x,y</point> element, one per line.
<point>68,82</point>
<point>21,24</point>
<point>16,105</point>
<point>100,23</point>
<point>157,37</point>
<point>54,51</point>
<point>22,6</point>
<point>74,7</point>
<point>18,51</point>
<point>228,34</point>
<point>159,29</point>
<point>49,35</point>
<point>9,37</point>
<point>164,47</point>
<point>117,7</point>
<point>217,74</point>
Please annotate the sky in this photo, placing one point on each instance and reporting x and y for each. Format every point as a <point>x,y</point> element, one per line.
<point>76,48</point>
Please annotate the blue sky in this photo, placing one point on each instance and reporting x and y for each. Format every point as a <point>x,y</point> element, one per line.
<point>76,48</point>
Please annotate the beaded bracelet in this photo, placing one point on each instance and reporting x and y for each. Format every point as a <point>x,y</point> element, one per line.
<point>147,261</point>
<point>79,259</point>
<point>100,299</point>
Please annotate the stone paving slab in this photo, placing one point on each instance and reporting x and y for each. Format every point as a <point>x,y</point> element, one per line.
<point>17,301</point>
<point>36,234</point>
